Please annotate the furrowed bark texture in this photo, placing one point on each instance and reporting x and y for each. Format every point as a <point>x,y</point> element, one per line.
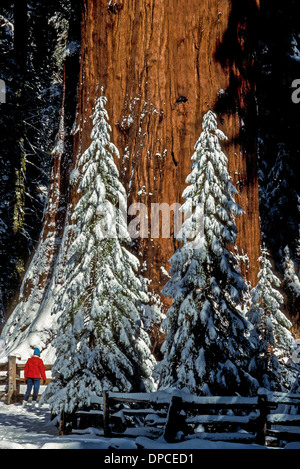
<point>162,66</point>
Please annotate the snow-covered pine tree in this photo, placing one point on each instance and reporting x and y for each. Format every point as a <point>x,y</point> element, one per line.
<point>298,249</point>
<point>291,279</point>
<point>280,201</point>
<point>271,328</point>
<point>2,312</point>
<point>206,345</point>
<point>101,343</point>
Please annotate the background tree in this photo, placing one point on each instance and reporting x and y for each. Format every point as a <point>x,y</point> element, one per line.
<point>32,64</point>
<point>291,281</point>
<point>277,65</point>
<point>271,332</point>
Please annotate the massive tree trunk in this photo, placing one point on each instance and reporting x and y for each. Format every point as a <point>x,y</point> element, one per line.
<point>162,65</point>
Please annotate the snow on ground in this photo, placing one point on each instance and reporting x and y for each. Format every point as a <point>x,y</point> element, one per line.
<point>31,428</point>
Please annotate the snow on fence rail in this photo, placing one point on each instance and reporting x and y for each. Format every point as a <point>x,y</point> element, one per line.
<point>12,379</point>
<point>173,412</point>
<point>169,414</point>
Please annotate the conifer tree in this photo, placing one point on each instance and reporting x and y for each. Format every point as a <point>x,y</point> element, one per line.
<point>206,346</point>
<point>271,332</point>
<point>101,342</point>
<point>291,279</point>
<point>2,312</point>
<point>298,249</point>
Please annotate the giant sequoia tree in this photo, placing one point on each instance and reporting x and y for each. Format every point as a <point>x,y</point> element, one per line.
<point>162,66</point>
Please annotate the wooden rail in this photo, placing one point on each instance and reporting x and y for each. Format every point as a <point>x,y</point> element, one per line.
<point>222,417</point>
<point>269,414</point>
<point>12,380</point>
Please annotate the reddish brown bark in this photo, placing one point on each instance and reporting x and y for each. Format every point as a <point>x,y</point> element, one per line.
<point>149,55</point>
<point>162,66</point>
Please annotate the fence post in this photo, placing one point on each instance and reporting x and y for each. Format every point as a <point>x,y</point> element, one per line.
<point>106,413</point>
<point>62,423</point>
<point>18,375</point>
<point>171,427</point>
<point>12,386</point>
<point>262,420</point>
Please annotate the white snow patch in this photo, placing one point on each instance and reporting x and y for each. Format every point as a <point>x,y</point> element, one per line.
<point>31,428</point>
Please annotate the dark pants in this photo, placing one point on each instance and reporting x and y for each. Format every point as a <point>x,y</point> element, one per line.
<point>35,383</point>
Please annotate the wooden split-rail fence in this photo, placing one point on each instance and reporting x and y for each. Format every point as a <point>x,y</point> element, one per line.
<point>268,417</point>
<point>11,380</point>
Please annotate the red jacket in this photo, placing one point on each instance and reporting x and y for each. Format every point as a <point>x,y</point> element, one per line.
<point>35,368</point>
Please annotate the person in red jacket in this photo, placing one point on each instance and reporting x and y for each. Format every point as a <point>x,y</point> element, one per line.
<point>33,373</point>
